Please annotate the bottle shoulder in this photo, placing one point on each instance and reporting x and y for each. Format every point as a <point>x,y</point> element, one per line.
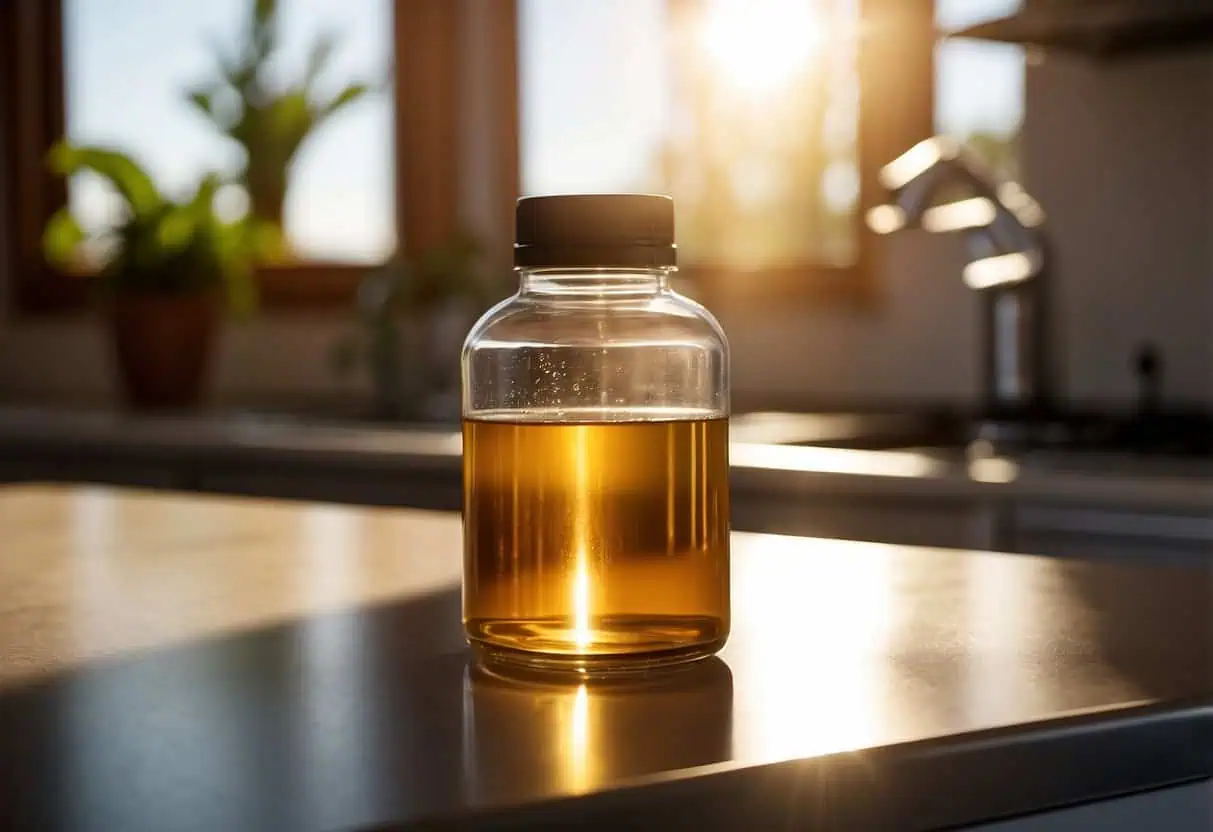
<point>662,317</point>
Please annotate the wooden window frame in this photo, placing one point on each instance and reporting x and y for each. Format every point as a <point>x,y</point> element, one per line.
<point>457,149</point>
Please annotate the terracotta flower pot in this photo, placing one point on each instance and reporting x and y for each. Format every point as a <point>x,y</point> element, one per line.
<point>163,345</point>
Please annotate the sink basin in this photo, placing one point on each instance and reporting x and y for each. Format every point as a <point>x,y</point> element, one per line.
<point>860,431</point>
<point>1163,434</point>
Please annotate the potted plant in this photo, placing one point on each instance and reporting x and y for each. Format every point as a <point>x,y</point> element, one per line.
<point>162,272</point>
<point>269,117</point>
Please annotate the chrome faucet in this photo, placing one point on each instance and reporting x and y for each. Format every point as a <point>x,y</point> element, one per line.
<point>941,187</point>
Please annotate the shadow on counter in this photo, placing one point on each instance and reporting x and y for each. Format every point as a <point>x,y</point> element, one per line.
<point>366,716</point>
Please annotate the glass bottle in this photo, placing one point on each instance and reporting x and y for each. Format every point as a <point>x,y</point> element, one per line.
<point>595,449</point>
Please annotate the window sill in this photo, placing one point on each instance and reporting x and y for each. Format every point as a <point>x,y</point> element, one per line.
<point>44,293</point>
<point>810,286</point>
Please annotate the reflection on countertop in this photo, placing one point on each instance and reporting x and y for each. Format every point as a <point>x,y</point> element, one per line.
<point>534,735</point>
<point>302,666</point>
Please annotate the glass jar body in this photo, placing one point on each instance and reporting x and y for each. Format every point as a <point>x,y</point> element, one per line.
<point>596,506</point>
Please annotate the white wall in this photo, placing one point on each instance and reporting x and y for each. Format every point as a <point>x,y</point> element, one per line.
<point>268,360</point>
<point>920,344</point>
<point>1121,157</point>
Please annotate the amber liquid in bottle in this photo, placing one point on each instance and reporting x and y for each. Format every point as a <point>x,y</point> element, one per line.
<point>596,543</point>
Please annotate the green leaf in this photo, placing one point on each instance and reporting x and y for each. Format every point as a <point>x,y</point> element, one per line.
<point>171,248</point>
<point>290,122</point>
<point>214,108</point>
<point>291,112</point>
<point>267,242</point>
<point>236,73</point>
<point>318,58</point>
<point>346,97</point>
<point>176,229</point>
<point>204,101</point>
<point>264,11</point>
<point>241,290</point>
<point>203,202</point>
<point>264,30</point>
<point>61,237</point>
<point>226,250</point>
<point>143,249</point>
<point>130,180</point>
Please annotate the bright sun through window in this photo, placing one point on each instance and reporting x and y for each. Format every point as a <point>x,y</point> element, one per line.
<point>746,112</point>
<point>761,47</point>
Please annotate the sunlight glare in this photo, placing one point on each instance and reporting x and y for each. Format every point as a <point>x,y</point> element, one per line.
<point>994,469</point>
<point>836,600</point>
<point>1000,270</point>
<point>760,47</point>
<point>1026,209</point>
<point>885,219</point>
<point>976,212</point>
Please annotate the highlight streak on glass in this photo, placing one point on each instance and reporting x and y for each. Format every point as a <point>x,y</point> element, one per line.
<point>582,633</point>
<point>669,491</point>
<point>516,581</point>
<point>581,603</point>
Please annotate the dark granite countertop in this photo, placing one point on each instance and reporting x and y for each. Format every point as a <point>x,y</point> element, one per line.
<point>171,662</point>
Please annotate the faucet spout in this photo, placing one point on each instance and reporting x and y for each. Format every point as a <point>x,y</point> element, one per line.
<point>941,187</point>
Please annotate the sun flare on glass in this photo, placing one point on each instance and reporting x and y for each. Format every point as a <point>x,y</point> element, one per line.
<point>760,46</point>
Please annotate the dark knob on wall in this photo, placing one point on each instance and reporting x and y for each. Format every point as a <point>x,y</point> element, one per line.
<point>1148,364</point>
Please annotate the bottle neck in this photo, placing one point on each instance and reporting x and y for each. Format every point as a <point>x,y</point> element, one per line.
<point>572,282</point>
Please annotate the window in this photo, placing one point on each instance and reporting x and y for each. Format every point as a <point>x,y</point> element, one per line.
<point>767,121</point>
<point>130,67</point>
<point>430,153</point>
<point>979,86</point>
<point>748,113</point>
